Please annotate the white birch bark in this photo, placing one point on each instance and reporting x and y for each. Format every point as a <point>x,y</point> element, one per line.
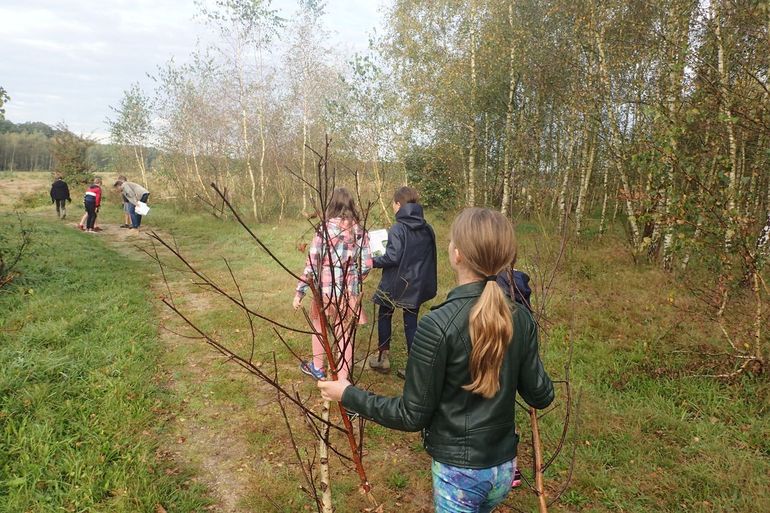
<point>471,195</point>
<point>726,110</point>
<point>323,456</point>
<point>197,170</point>
<point>304,158</point>
<point>615,146</point>
<point>603,220</point>
<point>139,154</point>
<point>507,170</point>
<point>585,180</point>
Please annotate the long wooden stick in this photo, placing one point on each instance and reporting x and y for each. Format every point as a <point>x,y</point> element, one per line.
<point>538,463</point>
<point>323,452</point>
<point>324,333</point>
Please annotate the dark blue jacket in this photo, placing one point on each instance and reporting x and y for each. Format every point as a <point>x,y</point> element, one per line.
<point>520,290</point>
<point>409,262</point>
<point>60,191</point>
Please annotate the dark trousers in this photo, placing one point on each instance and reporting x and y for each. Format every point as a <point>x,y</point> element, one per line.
<point>136,219</point>
<point>91,211</point>
<point>384,325</point>
<point>61,208</point>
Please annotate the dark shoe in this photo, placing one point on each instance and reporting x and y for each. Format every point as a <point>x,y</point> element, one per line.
<point>125,226</point>
<point>309,369</point>
<point>401,374</point>
<point>380,362</point>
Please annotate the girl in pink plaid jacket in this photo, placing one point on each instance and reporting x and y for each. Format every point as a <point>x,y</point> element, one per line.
<point>338,261</point>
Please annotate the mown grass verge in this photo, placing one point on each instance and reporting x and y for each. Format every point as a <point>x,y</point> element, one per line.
<point>78,353</point>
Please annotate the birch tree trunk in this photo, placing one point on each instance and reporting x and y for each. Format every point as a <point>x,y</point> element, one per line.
<point>585,180</point>
<point>263,152</point>
<point>615,144</point>
<point>679,32</point>
<point>471,196</point>
<point>323,456</point>
<point>507,170</point>
<point>139,154</point>
<point>563,207</point>
<point>725,106</point>
<point>247,157</point>
<point>304,158</point>
<point>197,171</point>
<point>603,220</point>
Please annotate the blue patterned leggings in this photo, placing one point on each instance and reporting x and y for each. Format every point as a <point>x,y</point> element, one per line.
<point>468,490</point>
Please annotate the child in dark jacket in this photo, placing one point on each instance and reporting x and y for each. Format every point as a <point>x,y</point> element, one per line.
<point>520,292</point>
<point>408,273</point>
<point>60,195</point>
<point>92,200</point>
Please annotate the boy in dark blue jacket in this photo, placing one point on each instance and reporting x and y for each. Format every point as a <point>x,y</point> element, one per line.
<point>60,195</point>
<point>408,273</point>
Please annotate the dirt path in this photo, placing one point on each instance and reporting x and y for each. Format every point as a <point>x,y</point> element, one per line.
<point>210,437</point>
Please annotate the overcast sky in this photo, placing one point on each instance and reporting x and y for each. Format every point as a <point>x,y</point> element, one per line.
<point>69,60</point>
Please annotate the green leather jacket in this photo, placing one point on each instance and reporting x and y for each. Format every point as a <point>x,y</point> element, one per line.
<point>460,428</point>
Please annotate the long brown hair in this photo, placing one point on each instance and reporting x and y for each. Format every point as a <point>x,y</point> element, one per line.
<point>487,243</point>
<point>341,204</point>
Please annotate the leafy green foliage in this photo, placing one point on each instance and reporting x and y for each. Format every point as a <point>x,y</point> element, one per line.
<point>431,175</point>
<point>70,153</point>
<point>4,98</point>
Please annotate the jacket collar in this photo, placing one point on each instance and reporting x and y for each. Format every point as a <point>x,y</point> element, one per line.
<point>469,290</point>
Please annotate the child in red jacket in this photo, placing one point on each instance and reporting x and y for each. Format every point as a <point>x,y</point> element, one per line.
<point>92,200</point>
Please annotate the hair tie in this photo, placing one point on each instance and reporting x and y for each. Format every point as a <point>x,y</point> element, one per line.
<point>491,277</point>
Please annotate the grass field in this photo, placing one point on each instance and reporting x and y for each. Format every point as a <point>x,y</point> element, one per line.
<point>78,392</point>
<point>104,408</point>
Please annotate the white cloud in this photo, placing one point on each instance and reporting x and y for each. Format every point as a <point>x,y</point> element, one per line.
<point>70,60</point>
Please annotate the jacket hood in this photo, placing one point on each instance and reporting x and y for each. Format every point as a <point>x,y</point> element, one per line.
<point>410,214</point>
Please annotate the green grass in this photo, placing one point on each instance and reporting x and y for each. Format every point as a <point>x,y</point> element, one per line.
<point>78,353</point>
<point>652,435</point>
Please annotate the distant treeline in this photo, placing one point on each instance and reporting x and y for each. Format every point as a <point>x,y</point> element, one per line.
<point>29,147</point>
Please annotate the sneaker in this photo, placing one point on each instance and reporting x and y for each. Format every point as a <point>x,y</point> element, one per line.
<point>309,369</point>
<point>516,478</point>
<point>125,226</point>
<point>82,228</point>
<point>380,362</point>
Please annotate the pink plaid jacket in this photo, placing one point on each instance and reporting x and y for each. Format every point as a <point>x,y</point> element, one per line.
<point>339,267</point>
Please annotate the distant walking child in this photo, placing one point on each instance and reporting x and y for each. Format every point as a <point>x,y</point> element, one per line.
<point>92,201</point>
<point>60,195</point>
<point>408,273</point>
<point>338,260</point>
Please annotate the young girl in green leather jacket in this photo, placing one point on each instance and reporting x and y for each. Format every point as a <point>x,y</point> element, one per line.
<point>470,356</point>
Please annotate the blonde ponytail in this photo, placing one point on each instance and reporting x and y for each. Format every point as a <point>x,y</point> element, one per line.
<point>485,239</point>
<point>491,329</point>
